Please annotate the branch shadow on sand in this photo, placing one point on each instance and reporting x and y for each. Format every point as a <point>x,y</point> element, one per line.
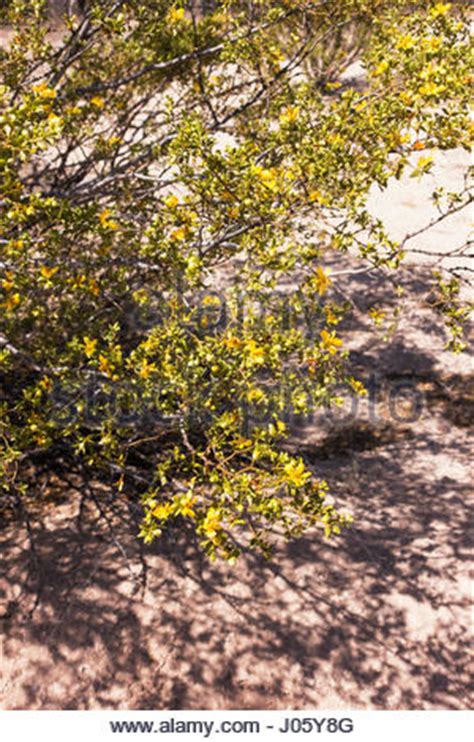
<point>376,620</point>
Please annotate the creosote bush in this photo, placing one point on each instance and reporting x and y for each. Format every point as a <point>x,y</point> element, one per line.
<point>173,185</point>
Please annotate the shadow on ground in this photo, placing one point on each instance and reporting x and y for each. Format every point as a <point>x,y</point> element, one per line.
<point>376,620</point>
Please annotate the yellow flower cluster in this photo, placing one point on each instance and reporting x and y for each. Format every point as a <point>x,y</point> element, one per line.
<point>90,346</point>
<point>175,16</point>
<point>290,115</point>
<point>98,102</point>
<point>171,201</point>
<point>186,506</point>
<point>330,341</point>
<point>256,353</point>
<point>268,176</point>
<point>440,9</point>
<point>211,525</point>
<point>106,222</point>
<point>357,386</point>
<point>295,473</point>
<point>179,234</point>
<point>146,369</point>
<point>163,511</point>
<point>321,281</point>
<point>431,89</point>
<point>47,273</point>
<point>44,91</point>
<point>405,43</point>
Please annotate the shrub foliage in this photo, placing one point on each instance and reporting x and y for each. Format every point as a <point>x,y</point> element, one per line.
<point>173,184</point>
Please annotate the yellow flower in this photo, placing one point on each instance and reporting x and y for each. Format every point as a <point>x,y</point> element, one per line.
<point>171,201</point>
<point>268,176</point>
<point>105,366</point>
<point>295,473</point>
<point>406,98</point>
<point>331,318</point>
<point>431,89</point>
<point>98,102</point>
<point>43,91</point>
<point>330,342</point>
<point>377,315</point>
<point>178,235</point>
<point>211,524</point>
<point>7,282</point>
<point>267,173</point>
<point>290,115</point>
<point>255,395</point>
<point>433,44</point>
<point>146,369</point>
<point>186,506</point>
<point>440,9</point>
<point>105,221</point>
<point>317,196</point>
<point>175,15</point>
<point>256,352</point>
<point>162,512</point>
<point>357,386</point>
<point>381,68</point>
<point>18,245</point>
<point>55,122</point>
<point>321,281</point>
<point>48,273</point>
<point>90,346</point>
<point>211,301</point>
<point>232,342</point>
<point>12,301</point>
<point>93,287</point>
<point>405,43</point>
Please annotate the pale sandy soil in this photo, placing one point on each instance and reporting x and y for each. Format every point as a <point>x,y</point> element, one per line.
<point>405,207</point>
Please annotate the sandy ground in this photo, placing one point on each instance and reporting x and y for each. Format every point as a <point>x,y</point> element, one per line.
<point>405,207</point>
